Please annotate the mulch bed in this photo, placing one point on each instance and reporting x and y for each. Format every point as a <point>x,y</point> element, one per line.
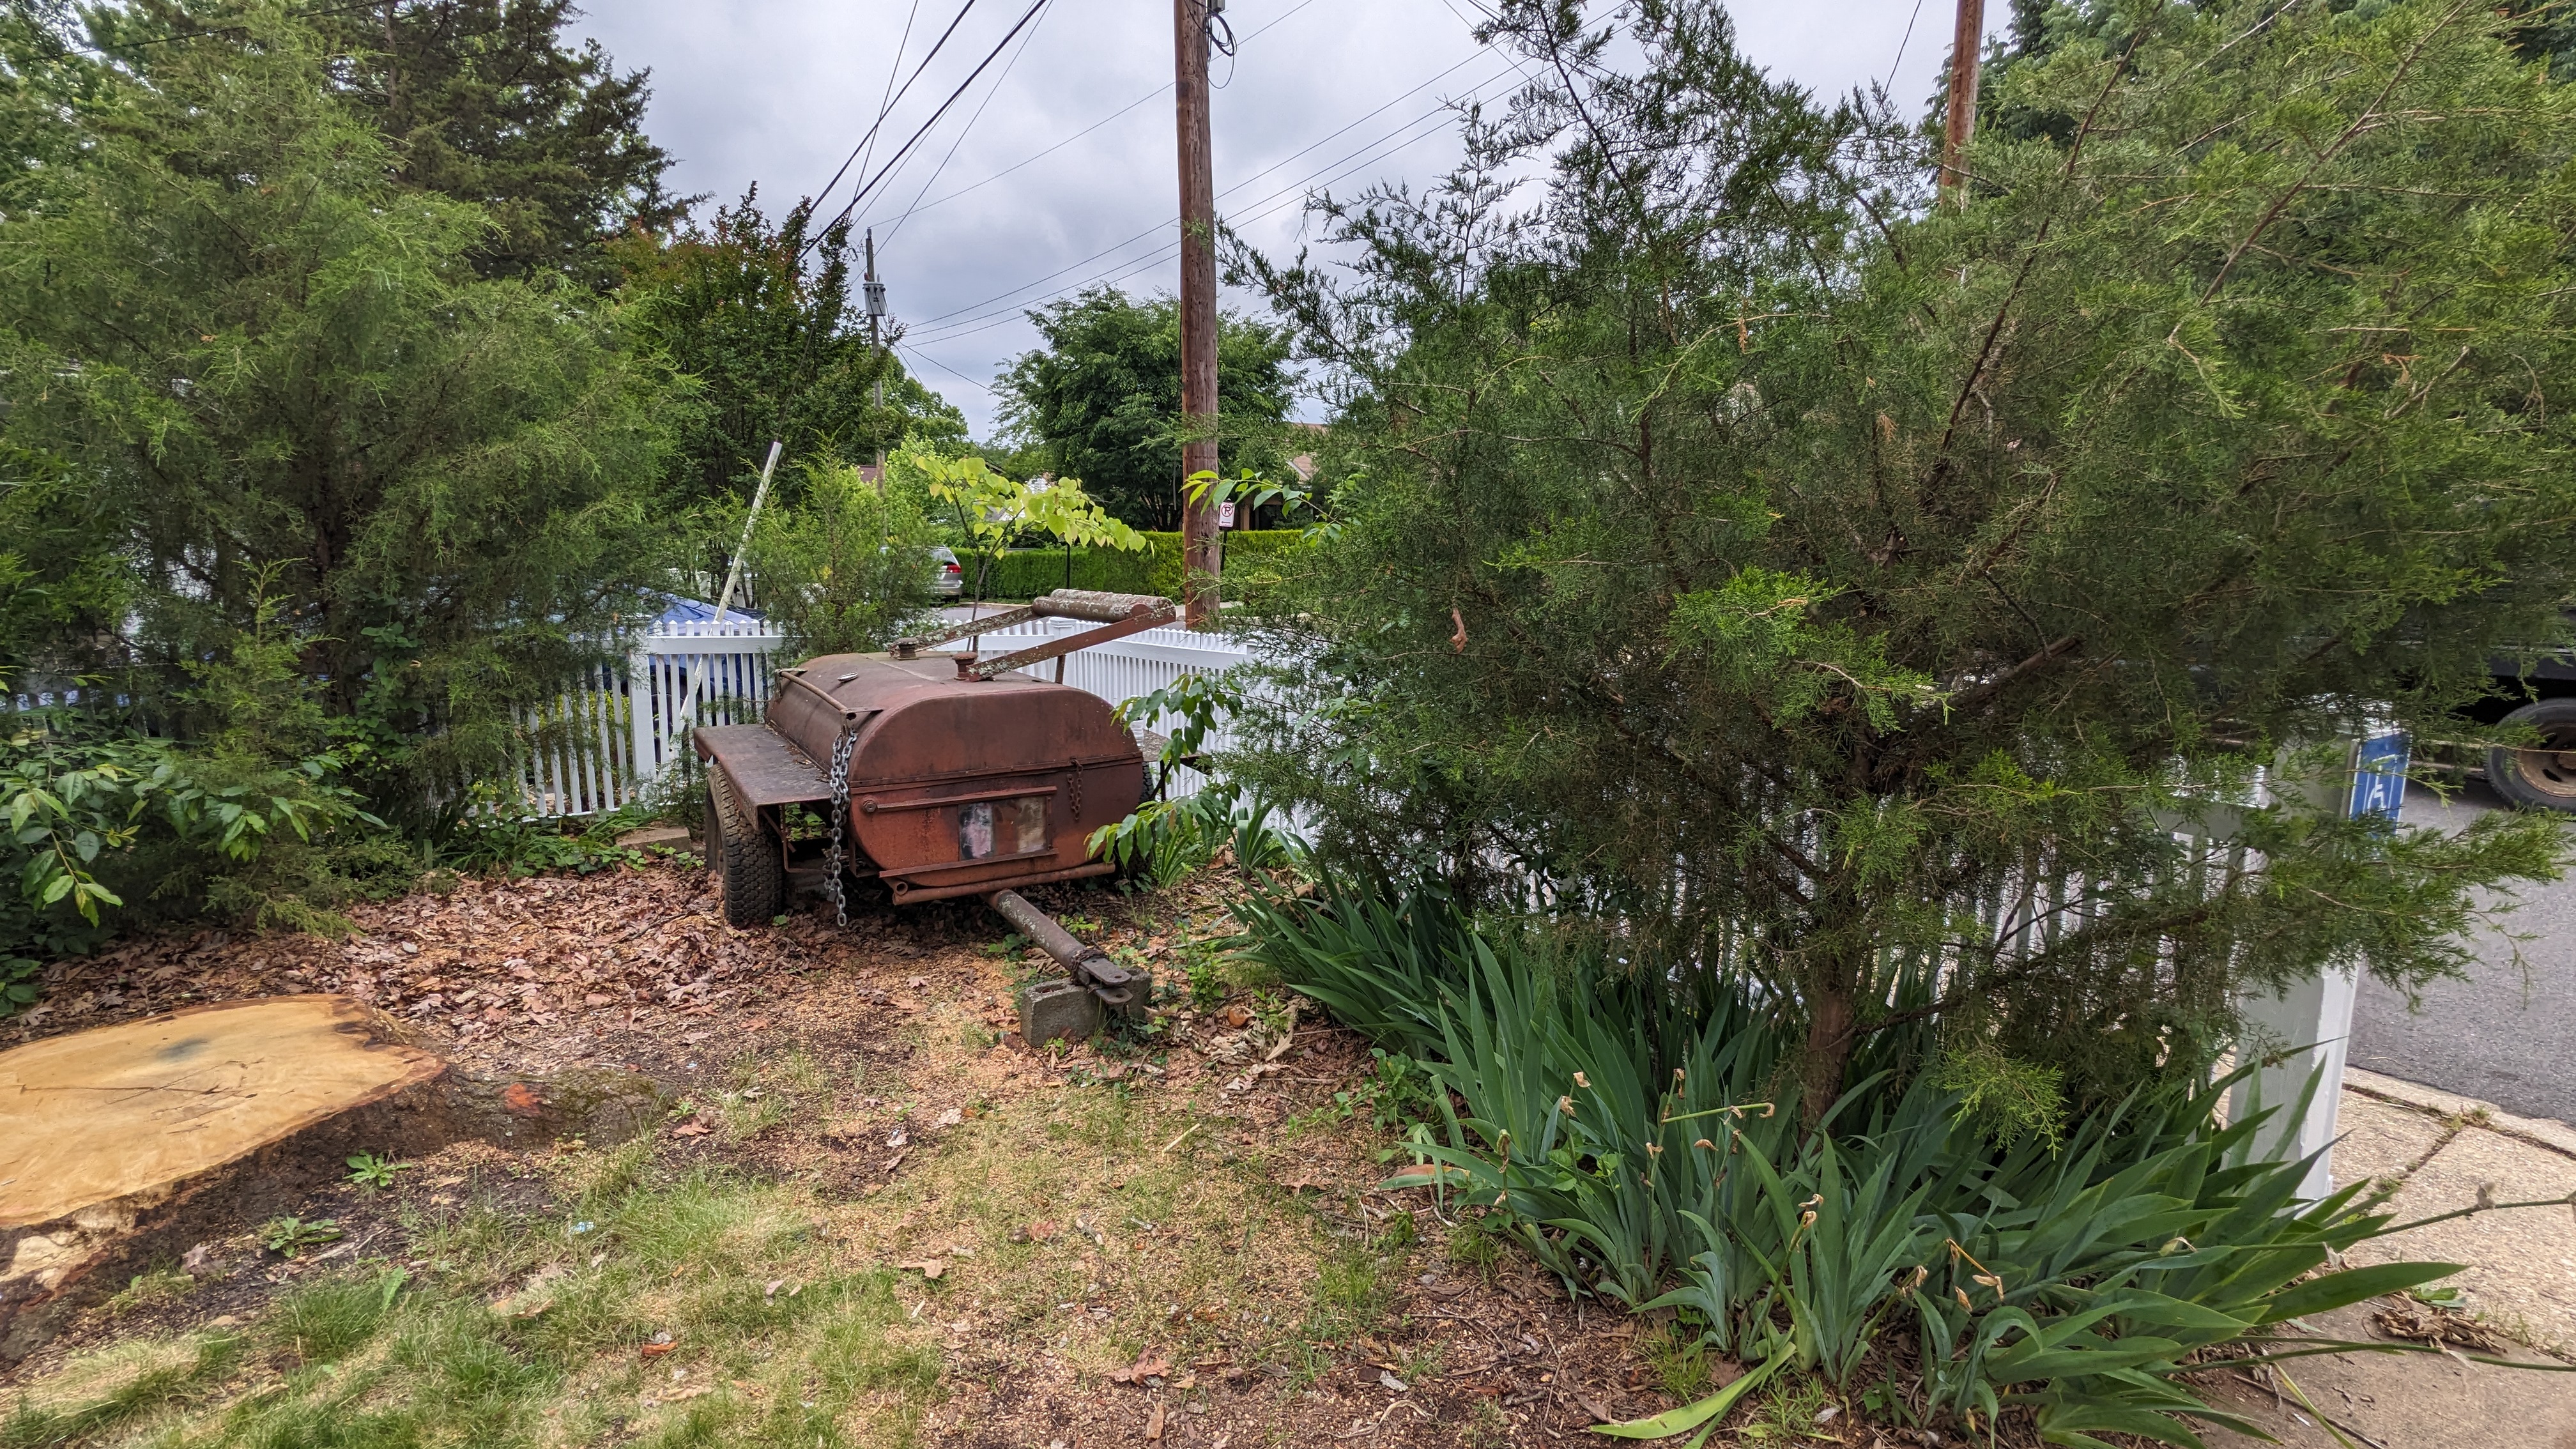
<point>635,968</point>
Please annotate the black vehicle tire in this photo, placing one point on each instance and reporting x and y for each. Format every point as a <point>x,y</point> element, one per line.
<point>2543,777</point>
<point>743,856</point>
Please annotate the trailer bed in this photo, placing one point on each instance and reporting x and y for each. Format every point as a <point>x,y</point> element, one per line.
<point>763,766</point>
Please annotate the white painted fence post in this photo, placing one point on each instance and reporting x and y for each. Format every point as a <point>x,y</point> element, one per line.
<point>2311,1019</point>
<point>643,767</point>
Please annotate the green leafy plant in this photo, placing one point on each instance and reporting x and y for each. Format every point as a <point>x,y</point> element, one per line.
<point>374,1173</point>
<point>989,508</point>
<point>289,1237</point>
<point>494,833</point>
<point>1206,980</point>
<point>1809,577</point>
<point>1629,1145</point>
<point>843,566</point>
<point>1164,840</point>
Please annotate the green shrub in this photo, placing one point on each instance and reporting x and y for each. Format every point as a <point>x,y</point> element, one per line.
<point>249,820</point>
<point>843,567</point>
<point>1657,1157</point>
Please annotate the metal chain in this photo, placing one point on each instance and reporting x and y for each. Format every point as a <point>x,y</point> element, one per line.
<point>840,822</point>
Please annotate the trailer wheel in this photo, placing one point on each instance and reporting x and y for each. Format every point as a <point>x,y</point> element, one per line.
<point>743,857</point>
<point>2544,776</point>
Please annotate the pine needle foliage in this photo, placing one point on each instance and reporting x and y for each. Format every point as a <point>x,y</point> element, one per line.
<point>269,372</point>
<point>1737,548</point>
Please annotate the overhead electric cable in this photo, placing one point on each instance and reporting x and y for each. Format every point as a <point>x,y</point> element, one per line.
<point>868,142</point>
<point>943,367</point>
<point>1263,206</point>
<point>986,322</point>
<point>885,102</point>
<point>963,320</point>
<point>870,185</point>
<point>977,307</point>
<point>1894,65</point>
<point>1249,36</point>
<point>967,129</point>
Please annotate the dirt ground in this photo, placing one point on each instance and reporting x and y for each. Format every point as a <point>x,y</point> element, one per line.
<point>1158,1205</point>
<point>1176,1240</point>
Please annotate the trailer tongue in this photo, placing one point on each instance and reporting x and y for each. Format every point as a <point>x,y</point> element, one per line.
<point>938,777</point>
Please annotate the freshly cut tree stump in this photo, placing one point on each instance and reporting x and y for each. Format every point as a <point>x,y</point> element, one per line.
<point>116,1140</point>
<point>135,1110</point>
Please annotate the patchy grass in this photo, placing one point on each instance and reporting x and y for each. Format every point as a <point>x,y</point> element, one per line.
<point>705,1312</point>
<point>1675,1356</point>
<point>761,1278</point>
<point>159,1288</point>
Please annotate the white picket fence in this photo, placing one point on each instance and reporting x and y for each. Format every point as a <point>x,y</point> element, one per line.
<point>608,739</point>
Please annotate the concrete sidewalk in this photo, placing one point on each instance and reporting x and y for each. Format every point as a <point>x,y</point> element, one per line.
<point>2445,1150</point>
<point>2442,1151</point>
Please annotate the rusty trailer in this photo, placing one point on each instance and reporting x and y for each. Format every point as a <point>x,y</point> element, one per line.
<point>934,776</point>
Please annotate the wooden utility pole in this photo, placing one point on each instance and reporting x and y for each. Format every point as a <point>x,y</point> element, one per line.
<point>872,292</point>
<point>1202,545</point>
<point>1967,42</point>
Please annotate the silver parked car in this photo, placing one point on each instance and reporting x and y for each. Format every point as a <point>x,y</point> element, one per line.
<point>948,577</point>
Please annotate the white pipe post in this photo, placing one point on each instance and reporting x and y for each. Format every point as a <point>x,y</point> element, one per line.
<point>733,578</point>
<point>2308,1023</point>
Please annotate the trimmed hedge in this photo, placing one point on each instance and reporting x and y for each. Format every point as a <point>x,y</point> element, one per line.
<point>1252,557</point>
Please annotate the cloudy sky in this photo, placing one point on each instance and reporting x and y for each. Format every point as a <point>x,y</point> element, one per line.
<point>1054,169</point>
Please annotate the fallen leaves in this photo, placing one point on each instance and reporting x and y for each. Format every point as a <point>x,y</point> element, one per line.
<point>690,1129</point>
<point>2414,1320</point>
<point>929,1268</point>
<point>1148,1365</point>
<point>1154,1422</point>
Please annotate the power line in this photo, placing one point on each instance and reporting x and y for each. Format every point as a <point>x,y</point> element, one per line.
<point>985,388</point>
<point>1249,36</point>
<point>977,307</point>
<point>987,321</point>
<point>973,314</point>
<point>1165,252</point>
<point>915,138</point>
<point>1894,65</point>
<point>963,132</point>
<point>868,141</point>
<point>885,101</point>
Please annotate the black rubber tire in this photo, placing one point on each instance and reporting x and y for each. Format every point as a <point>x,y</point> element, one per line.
<point>2543,777</point>
<point>743,856</point>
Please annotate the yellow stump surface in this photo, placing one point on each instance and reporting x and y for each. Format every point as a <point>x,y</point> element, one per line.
<point>106,1114</point>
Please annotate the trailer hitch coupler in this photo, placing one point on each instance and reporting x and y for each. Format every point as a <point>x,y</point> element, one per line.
<point>1114,986</point>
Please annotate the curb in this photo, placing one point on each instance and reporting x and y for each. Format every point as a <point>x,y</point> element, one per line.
<point>2539,1132</point>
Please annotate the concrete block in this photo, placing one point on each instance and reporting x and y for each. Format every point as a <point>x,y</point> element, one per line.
<point>1058,1008</point>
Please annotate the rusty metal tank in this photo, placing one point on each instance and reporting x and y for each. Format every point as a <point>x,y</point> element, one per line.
<point>964,777</point>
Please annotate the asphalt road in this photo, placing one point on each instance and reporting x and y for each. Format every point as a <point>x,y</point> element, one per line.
<point>2505,1035</point>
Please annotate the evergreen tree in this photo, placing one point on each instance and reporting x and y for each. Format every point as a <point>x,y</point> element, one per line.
<point>1103,397</point>
<point>774,346</point>
<point>485,102</point>
<point>1810,584</point>
<point>272,373</point>
<point>482,101</point>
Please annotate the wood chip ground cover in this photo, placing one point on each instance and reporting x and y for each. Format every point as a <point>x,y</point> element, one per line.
<point>1177,1243</point>
<point>852,1107</point>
